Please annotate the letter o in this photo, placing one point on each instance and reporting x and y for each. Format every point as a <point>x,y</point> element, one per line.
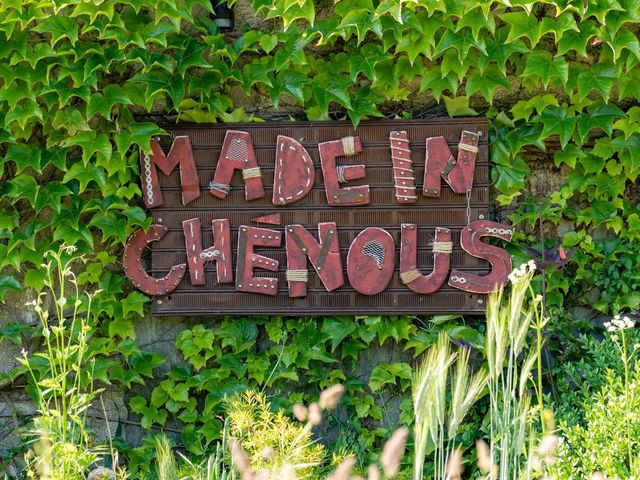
<point>371,261</point>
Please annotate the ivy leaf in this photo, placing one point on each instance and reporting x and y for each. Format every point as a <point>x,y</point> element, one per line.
<point>25,156</point>
<point>70,119</point>
<point>577,40</point>
<point>363,105</point>
<point>139,134</point>
<point>49,195</point>
<point>461,41</point>
<point>72,234</point>
<point>434,81</point>
<point>90,144</point>
<point>569,156</point>
<point>257,72</point>
<point>541,64</point>
<point>598,77</point>
<point>8,283</point>
<point>65,91</point>
<point>110,226</point>
<point>145,362</point>
<point>98,104</point>
<point>93,10</point>
<point>413,44</point>
<point>365,61</point>
<point>171,85</point>
<point>268,42</point>
<point>337,329</point>
<point>522,24</point>
<point>59,26</point>
<point>360,19</point>
<point>293,82</point>
<point>35,278</point>
<point>13,331</point>
<point>598,212</point>
<point>191,56</point>
<point>486,82</point>
<point>23,113</point>
<point>23,186</point>
<point>524,108</point>
<point>624,40</point>
<point>558,121</point>
<point>135,303</point>
<point>85,174</point>
<point>509,179</point>
<point>600,117</point>
<point>458,107</point>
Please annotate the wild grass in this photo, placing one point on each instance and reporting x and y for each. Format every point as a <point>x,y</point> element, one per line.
<point>511,360</point>
<point>436,424</point>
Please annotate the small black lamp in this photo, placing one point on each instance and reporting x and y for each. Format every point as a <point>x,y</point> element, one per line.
<point>222,15</point>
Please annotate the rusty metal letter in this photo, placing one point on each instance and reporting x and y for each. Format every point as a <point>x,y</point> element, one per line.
<point>498,258</point>
<point>248,238</point>
<point>237,154</point>
<point>135,270</point>
<point>409,273</point>
<point>334,176</point>
<point>180,155</point>
<point>294,174</point>
<point>403,176</point>
<point>220,252</point>
<point>439,162</point>
<point>371,260</point>
<point>324,256</point>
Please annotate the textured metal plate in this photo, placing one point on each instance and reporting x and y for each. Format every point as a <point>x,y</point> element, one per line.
<point>448,210</point>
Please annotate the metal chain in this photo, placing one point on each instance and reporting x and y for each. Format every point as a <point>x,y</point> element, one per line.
<point>469,210</point>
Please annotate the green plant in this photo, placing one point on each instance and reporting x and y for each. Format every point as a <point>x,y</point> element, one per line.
<point>603,437</point>
<point>62,380</point>
<point>270,439</point>
<point>608,434</point>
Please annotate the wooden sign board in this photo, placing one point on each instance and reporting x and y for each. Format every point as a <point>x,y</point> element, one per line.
<point>283,199</point>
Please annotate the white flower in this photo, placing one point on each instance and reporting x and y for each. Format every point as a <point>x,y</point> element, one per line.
<point>618,323</point>
<point>614,338</point>
<point>522,271</point>
<point>62,301</point>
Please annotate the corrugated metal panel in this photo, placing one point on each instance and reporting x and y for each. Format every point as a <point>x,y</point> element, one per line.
<point>449,210</point>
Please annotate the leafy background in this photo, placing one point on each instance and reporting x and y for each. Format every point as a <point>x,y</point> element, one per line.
<point>83,85</point>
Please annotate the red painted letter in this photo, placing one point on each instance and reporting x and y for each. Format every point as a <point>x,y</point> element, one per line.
<point>409,273</point>
<point>403,176</point>
<point>336,196</point>
<point>324,256</point>
<point>180,155</point>
<point>294,174</point>
<point>135,270</point>
<point>371,260</point>
<point>237,154</point>
<point>439,162</point>
<point>248,238</point>
<point>220,252</point>
<point>498,257</point>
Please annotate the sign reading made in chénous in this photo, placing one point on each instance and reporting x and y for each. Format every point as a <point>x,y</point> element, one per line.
<point>319,218</point>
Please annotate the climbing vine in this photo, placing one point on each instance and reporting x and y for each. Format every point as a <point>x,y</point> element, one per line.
<point>84,85</point>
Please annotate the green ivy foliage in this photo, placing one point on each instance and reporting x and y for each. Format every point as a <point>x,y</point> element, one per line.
<point>80,82</point>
